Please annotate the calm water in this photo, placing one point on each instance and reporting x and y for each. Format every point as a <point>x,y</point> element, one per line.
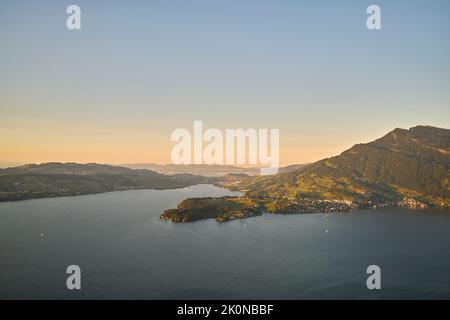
<point>124,251</point>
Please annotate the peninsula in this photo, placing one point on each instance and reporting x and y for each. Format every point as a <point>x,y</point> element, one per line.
<point>409,168</point>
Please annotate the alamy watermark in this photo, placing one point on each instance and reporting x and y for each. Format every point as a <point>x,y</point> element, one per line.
<point>374,20</point>
<point>73,21</point>
<point>232,147</point>
<point>74,280</point>
<point>374,280</point>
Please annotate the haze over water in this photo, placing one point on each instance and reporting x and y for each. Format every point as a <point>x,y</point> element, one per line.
<point>125,251</point>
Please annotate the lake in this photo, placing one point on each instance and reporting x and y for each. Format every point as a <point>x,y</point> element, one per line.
<point>125,251</point>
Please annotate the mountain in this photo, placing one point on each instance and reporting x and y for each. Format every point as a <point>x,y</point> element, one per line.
<point>293,168</point>
<point>197,169</point>
<point>404,163</point>
<point>71,168</point>
<point>204,169</point>
<point>405,167</point>
<point>410,166</point>
<point>68,179</point>
<point>8,164</point>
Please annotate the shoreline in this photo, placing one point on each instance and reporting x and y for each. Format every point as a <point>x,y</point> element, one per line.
<point>225,209</point>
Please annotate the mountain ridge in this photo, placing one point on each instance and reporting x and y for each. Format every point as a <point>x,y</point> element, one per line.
<point>56,179</point>
<point>403,164</point>
<point>403,168</point>
<point>417,160</point>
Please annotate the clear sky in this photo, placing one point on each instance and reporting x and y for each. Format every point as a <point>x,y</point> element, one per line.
<point>114,91</point>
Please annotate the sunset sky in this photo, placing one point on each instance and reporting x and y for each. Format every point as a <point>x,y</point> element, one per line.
<point>114,91</point>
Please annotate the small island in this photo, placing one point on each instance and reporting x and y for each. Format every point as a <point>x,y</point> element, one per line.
<point>225,209</point>
<point>222,209</point>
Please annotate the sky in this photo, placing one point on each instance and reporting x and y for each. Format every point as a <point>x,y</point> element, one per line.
<point>114,91</point>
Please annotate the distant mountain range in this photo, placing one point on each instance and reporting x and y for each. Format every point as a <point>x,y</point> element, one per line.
<point>405,165</point>
<point>68,179</point>
<point>10,164</point>
<point>205,170</point>
<point>197,169</point>
<point>56,179</point>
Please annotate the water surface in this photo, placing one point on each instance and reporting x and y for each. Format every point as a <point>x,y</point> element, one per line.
<point>125,251</point>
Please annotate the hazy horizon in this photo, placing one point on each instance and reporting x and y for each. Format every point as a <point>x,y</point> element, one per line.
<point>7,164</point>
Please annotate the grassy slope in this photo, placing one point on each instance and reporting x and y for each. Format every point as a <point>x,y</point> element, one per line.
<point>413,162</point>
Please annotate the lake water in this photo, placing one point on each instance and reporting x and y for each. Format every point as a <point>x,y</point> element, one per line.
<point>125,251</point>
